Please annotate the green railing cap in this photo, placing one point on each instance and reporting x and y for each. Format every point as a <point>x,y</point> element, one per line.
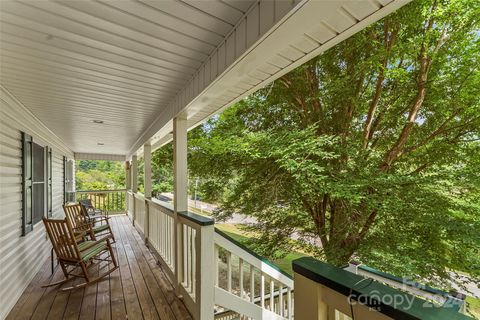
<point>399,305</point>
<point>198,219</point>
<point>401,280</point>
<point>166,205</point>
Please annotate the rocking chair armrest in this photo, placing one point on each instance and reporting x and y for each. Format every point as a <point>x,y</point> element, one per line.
<point>98,217</point>
<point>79,235</point>
<point>87,228</point>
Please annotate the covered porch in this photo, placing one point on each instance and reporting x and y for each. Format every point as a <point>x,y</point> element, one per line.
<point>120,79</point>
<point>139,289</point>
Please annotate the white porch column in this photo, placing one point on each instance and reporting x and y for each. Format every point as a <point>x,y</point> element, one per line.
<point>180,180</point>
<point>203,306</point>
<point>147,182</point>
<point>180,197</point>
<point>147,176</point>
<point>134,172</point>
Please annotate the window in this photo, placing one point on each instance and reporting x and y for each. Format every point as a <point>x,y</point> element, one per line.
<point>37,183</point>
<point>68,186</point>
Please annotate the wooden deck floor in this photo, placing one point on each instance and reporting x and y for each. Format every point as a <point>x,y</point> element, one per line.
<point>139,289</point>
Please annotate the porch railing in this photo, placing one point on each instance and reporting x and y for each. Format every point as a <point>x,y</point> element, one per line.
<point>221,279</point>
<point>327,292</point>
<point>161,233</point>
<point>110,201</point>
<point>248,283</point>
<point>207,267</point>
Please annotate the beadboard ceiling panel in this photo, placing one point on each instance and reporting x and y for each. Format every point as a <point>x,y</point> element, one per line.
<point>75,63</point>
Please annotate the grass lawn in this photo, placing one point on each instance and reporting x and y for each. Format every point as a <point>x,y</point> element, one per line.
<point>242,236</point>
<point>473,307</point>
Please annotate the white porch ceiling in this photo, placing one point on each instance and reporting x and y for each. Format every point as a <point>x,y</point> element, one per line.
<point>136,64</point>
<point>72,62</point>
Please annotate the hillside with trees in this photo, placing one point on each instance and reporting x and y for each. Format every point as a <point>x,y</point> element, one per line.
<point>99,175</point>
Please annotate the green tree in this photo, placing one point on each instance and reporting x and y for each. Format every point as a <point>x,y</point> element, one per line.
<point>369,150</point>
<point>162,169</point>
<point>99,175</point>
<point>140,175</point>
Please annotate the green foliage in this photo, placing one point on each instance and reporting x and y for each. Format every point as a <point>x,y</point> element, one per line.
<point>369,150</point>
<point>99,175</point>
<point>140,175</point>
<point>162,170</point>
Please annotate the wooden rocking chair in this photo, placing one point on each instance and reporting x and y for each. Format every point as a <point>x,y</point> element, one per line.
<point>72,251</point>
<point>89,209</point>
<point>80,222</point>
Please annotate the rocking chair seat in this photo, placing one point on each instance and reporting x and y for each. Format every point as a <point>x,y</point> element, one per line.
<point>100,228</point>
<point>93,251</point>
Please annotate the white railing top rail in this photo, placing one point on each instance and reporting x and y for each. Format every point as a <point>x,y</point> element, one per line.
<point>101,191</point>
<point>139,196</point>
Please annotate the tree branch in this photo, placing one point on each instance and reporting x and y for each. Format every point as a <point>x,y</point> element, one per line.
<point>368,224</point>
<point>396,150</point>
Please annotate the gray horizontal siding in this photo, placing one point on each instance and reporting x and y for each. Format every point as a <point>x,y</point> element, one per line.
<point>21,257</point>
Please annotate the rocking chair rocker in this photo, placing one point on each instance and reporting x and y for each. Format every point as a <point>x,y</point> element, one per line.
<point>72,251</point>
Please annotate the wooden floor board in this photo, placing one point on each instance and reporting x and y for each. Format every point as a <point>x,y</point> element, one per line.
<point>45,304</point>
<point>139,289</point>
<point>116,293</point>
<point>27,303</point>
<point>132,305</point>
<point>74,303</point>
<point>160,301</point>
<point>102,310</point>
<point>148,307</point>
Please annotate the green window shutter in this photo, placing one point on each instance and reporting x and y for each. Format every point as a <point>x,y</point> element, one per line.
<point>49,183</point>
<point>65,198</point>
<point>27,183</point>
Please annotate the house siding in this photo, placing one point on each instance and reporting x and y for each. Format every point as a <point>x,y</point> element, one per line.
<point>22,257</point>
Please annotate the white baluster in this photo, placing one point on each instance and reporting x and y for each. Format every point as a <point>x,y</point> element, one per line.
<point>193,259</point>
<point>215,261</point>
<point>262,289</point>
<point>240,269</point>
<point>280,301</point>
<point>252,284</point>
<point>189,258</point>
<point>272,290</point>
<point>169,238</point>
<point>229,271</point>
<point>185,256</point>
<point>289,303</point>
<point>161,235</point>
